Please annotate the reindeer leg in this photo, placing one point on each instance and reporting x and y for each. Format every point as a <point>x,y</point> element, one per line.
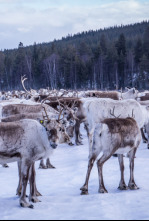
<point>84,189</point>
<point>49,165</point>
<point>100,164</point>
<point>122,185</point>
<point>25,175</point>
<point>42,165</point>
<point>145,140</point>
<point>77,132</point>
<point>80,136</point>
<point>20,180</point>
<point>132,184</point>
<point>33,197</point>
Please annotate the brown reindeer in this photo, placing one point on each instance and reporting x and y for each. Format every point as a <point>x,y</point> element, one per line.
<point>104,94</point>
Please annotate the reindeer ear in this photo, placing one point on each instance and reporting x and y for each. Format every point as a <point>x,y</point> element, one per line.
<point>126,88</point>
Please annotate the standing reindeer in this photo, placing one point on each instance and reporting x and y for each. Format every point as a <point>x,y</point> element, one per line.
<point>114,136</point>
<point>26,141</point>
<point>38,112</point>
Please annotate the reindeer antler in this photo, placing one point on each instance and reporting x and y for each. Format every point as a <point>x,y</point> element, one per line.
<point>23,79</point>
<point>112,114</point>
<point>74,104</point>
<point>133,116</point>
<point>46,113</point>
<point>61,110</point>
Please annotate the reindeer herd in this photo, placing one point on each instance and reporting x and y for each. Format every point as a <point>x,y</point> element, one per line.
<point>33,123</point>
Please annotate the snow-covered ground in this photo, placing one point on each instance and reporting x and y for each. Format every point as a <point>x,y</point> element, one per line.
<point>61,189</point>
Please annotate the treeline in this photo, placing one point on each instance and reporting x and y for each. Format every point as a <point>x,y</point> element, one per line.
<point>105,59</point>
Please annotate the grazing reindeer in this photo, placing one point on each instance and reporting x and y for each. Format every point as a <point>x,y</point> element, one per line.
<point>26,141</point>
<point>114,136</point>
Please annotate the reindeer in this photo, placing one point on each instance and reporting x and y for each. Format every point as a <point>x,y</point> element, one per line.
<point>75,104</point>
<point>59,124</point>
<point>13,109</point>
<point>99,109</point>
<point>145,97</point>
<point>52,124</point>
<point>145,104</point>
<point>78,103</point>
<point>26,141</point>
<point>63,138</point>
<point>131,93</point>
<point>114,136</point>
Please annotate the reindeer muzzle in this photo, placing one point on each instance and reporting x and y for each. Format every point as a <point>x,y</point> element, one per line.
<point>54,145</point>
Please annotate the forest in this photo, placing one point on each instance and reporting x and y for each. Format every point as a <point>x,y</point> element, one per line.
<point>105,59</point>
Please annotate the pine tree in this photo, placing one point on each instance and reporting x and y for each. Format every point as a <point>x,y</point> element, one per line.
<point>138,51</point>
<point>121,45</point>
<point>121,51</point>
<point>146,43</point>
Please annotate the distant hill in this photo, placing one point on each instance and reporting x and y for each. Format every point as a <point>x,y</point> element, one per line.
<point>109,58</point>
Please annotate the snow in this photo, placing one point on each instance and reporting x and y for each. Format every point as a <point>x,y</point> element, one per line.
<point>61,198</point>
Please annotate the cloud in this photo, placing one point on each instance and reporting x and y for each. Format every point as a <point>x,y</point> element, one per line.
<point>26,21</point>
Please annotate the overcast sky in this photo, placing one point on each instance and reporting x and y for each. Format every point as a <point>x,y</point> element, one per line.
<point>39,21</point>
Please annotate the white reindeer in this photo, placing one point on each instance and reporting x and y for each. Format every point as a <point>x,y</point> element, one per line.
<point>26,141</point>
<point>97,110</point>
<point>114,136</point>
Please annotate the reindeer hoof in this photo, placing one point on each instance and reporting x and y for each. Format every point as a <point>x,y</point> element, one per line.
<point>43,167</point>
<point>5,166</point>
<point>79,143</point>
<point>38,194</point>
<point>31,207</point>
<point>133,187</point>
<point>18,194</point>
<point>123,187</point>
<point>103,191</point>
<point>24,204</point>
<point>50,167</point>
<point>71,144</point>
<point>34,200</point>
<point>84,191</point>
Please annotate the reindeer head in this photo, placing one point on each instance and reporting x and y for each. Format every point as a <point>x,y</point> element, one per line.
<point>53,129</point>
<point>56,130</point>
<point>132,93</point>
